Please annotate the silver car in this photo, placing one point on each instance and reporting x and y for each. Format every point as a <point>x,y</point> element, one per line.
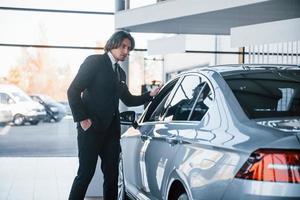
<point>224,132</point>
<point>5,114</point>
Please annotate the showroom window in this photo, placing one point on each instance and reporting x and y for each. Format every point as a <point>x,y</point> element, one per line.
<point>41,50</point>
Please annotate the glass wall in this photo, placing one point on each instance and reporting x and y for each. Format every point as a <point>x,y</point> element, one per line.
<point>42,44</point>
<point>144,69</point>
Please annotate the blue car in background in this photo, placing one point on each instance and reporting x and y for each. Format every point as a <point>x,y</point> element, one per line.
<point>67,107</point>
<point>219,133</point>
<point>55,111</point>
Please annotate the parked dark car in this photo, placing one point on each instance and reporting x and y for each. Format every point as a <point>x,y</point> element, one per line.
<point>55,111</point>
<point>222,133</point>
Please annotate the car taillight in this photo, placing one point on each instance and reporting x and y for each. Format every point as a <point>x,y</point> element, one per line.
<point>272,165</point>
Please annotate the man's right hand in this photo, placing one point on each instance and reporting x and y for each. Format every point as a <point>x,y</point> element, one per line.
<point>86,124</point>
<point>155,91</point>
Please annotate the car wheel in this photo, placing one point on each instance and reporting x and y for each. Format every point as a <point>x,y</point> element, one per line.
<point>58,119</point>
<point>183,196</point>
<point>48,118</point>
<point>18,120</point>
<point>34,122</point>
<point>121,185</point>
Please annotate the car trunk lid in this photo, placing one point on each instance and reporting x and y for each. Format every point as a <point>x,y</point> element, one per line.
<point>286,125</point>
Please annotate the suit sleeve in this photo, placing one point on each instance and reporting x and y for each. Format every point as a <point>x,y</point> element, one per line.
<point>132,100</point>
<point>81,81</point>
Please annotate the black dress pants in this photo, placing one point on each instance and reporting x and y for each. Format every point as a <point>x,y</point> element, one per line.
<point>91,144</point>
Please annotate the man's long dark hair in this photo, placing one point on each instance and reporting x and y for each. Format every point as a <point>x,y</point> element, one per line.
<point>116,39</point>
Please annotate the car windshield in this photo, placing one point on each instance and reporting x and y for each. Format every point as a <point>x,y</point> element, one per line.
<point>47,99</point>
<point>267,94</point>
<point>19,96</point>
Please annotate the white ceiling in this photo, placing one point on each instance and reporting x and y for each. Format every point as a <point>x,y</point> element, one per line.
<point>218,21</point>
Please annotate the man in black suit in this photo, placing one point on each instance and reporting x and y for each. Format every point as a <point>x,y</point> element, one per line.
<point>94,100</point>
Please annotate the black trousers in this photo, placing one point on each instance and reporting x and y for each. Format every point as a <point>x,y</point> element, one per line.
<point>91,144</point>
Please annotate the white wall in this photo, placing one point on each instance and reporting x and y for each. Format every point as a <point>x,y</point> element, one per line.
<point>180,61</point>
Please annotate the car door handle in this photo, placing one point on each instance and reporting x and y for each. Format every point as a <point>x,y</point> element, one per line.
<point>145,137</point>
<point>172,140</point>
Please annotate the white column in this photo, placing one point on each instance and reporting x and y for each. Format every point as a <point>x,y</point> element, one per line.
<point>266,33</point>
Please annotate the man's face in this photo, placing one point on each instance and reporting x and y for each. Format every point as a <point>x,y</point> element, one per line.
<point>122,51</point>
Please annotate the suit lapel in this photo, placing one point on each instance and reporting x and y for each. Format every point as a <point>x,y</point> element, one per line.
<point>108,64</point>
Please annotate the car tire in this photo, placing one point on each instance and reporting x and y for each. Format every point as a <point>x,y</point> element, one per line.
<point>58,119</point>
<point>47,118</point>
<point>183,196</point>
<point>34,122</point>
<point>18,120</point>
<point>121,185</point>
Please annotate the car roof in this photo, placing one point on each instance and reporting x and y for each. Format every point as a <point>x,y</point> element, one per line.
<point>230,69</point>
<point>250,67</point>
<point>9,88</point>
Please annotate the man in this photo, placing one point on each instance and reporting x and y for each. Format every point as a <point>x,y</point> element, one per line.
<point>94,100</point>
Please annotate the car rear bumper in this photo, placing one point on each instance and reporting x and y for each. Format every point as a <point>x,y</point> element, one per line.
<point>258,190</point>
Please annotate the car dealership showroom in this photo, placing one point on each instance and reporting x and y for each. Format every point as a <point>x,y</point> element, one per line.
<point>150,100</point>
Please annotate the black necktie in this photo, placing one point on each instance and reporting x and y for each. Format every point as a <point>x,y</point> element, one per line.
<point>117,71</point>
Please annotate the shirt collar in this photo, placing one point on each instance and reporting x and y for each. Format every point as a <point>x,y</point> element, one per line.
<point>112,59</point>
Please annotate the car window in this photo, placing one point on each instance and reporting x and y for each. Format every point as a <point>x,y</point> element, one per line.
<point>46,99</point>
<point>184,99</point>
<point>20,96</point>
<point>156,109</point>
<point>158,112</point>
<point>203,102</point>
<point>4,98</point>
<point>35,98</point>
<point>267,94</point>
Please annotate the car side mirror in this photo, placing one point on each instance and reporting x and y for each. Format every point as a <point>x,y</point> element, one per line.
<point>10,101</point>
<point>127,117</point>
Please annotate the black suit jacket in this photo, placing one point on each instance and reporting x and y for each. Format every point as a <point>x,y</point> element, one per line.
<point>95,92</point>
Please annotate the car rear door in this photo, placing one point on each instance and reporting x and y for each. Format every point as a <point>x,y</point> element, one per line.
<point>164,140</point>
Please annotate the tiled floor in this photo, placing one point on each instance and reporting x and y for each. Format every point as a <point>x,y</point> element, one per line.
<point>37,178</point>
